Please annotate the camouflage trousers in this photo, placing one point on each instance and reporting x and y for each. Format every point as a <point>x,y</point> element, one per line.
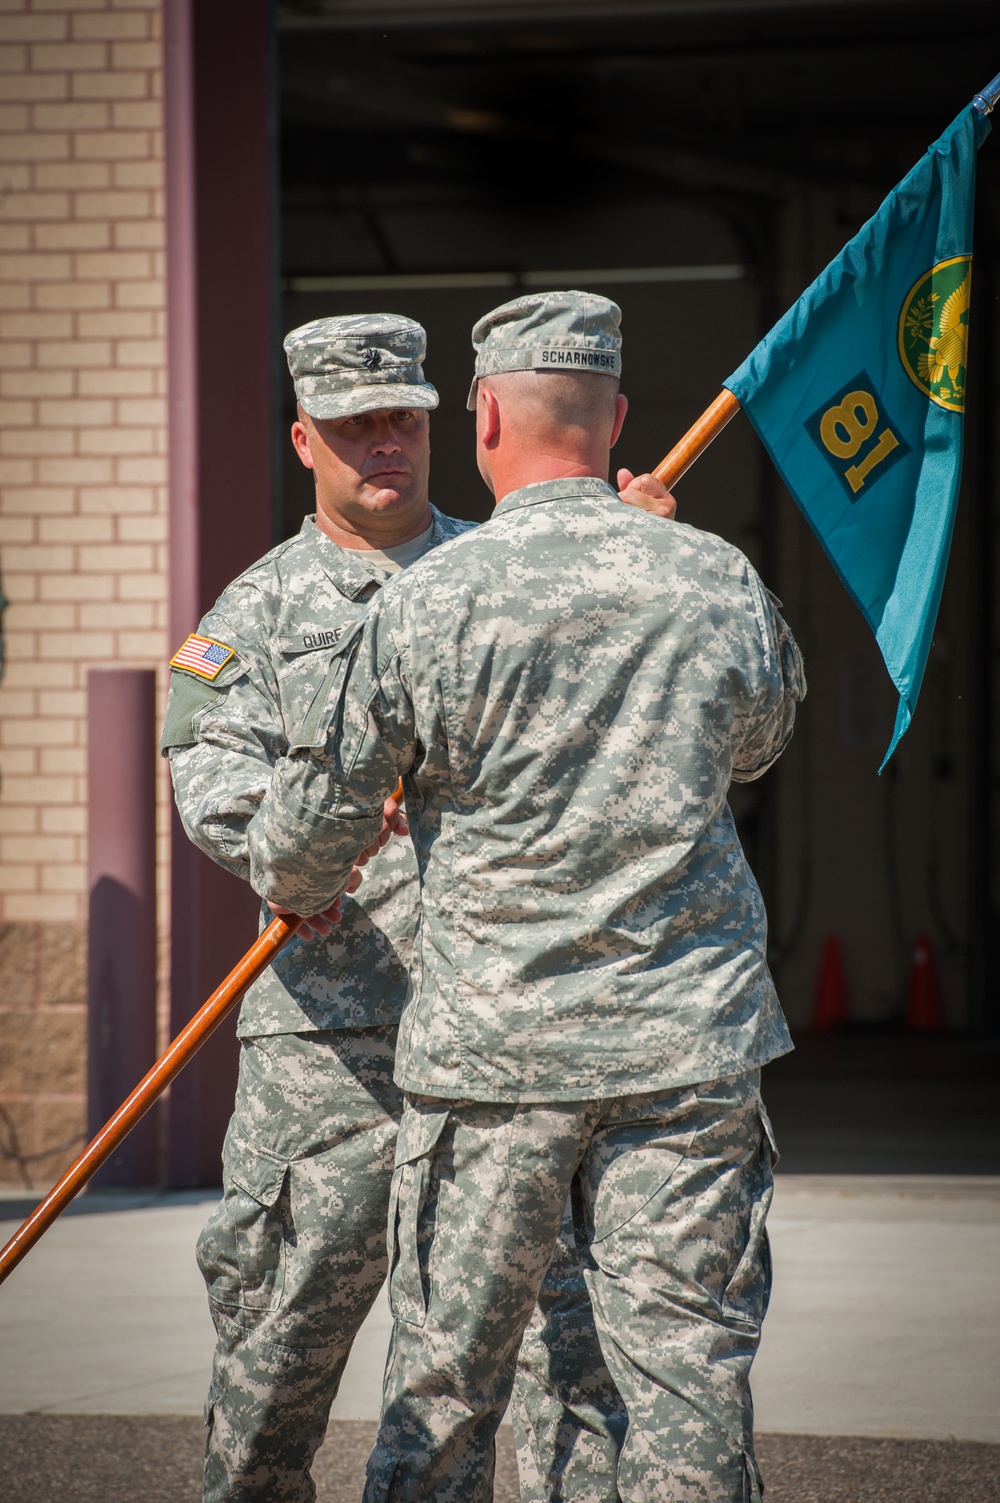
<point>295,1254</point>
<point>669,1193</point>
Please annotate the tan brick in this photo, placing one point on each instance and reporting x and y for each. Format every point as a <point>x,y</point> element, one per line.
<point>106,146</point>
<point>118,500</point>
<point>117,614</point>
<point>16,413</point>
<point>79,237</point>
<point>15,237</point>
<point>140,352</point>
<point>36,384</point>
<point>116,558</point>
<point>152,412</point>
<point>16,471</point>
<point>36,326</point>
<point>21,588</point>
<point>76,471</point>
<point>75,413</point>
<point>41,618</point>
<point>147,174</point>
<point>112,266</point>
<point>17,530</point>
<point>27,849</point>
<point>139,234</point>
<point>79,352</point>
<point>150,293</point>
<point>138,114</point>
<point>36,675</point>
<point>67,57</point>
<point>17,879</point>
<point>36,790</point>
<point>13,59</point>
<point>113,203</point>
<point>73,295</point>
<point>32,86</point>
<point>74,646</point>
<point>32,146</point>
<point>18,703</point>
<point>142,646</point>
<point>33,28</point>
<point>20,762</point>
<point>75,530</point>
<point>64,878</point>
<point>14,296</point>
<point>124,324</point>
<point>112,87</point>
<point>33,206</point>
<point>66,821</point>
<point>20,821</point>
<point>136,55</point>
<point>63,759</point>
<point>76,175</point>
<point>152,470</point>
<point>37,441</point>
<point>76,586</point>
<point>15,116</point>
<point>26,908</point>
<point>122,27</point>
<point>142,529</point>
<point>116,383</point>
<point>36,501</point>
<point>73,116</point>
<point>35,268</point>
<point>116,441</point>
<point>151,587</point>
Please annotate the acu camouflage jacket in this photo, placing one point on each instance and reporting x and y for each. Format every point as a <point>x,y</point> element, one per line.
<point>567,691</point>
<point>224,737</point>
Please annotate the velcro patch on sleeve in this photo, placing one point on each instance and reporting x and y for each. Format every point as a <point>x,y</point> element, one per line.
<point>202,656</point>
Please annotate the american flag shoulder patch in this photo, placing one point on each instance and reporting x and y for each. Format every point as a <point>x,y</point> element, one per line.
<point>202,656</point>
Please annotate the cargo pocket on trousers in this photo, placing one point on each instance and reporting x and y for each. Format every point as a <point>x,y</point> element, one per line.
<point>749,1288</point>
<point>408,1239</point>
<point>753,1482</point>
<point>257,1202</point>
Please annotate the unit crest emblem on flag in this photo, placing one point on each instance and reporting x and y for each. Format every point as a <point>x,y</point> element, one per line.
<point>934,332</point>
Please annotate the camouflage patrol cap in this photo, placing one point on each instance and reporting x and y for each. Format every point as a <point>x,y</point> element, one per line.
<point>359,363</point>
<point>549,331</point>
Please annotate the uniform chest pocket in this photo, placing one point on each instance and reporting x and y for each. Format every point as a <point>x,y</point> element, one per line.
<point>319,671</point>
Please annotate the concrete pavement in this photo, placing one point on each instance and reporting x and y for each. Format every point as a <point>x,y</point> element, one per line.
<point>884,1319</point>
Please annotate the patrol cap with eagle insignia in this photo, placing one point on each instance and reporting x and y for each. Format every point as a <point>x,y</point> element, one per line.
<point>549,331</point>
<point>359,362</point>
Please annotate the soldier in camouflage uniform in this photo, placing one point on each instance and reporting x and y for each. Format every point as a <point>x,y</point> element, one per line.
<point>294,1255</point>
<point>567,693</point>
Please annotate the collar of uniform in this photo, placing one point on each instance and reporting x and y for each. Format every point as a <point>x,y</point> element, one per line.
<point>569,489</point>
<point>347,567</point>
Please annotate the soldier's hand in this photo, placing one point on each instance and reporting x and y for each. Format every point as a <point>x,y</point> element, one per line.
<point>318,925</point>
<point>393,823</point>
<point>647,493</point>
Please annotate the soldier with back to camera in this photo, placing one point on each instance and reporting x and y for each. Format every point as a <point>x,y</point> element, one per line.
<point>567,693</point>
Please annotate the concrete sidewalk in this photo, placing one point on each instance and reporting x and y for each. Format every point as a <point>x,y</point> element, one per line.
<point>884,1319</point>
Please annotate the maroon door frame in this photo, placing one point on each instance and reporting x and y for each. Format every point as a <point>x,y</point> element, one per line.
<point>220,299</point>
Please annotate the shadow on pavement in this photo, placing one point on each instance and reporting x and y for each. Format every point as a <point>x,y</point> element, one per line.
<point>157,1459</point>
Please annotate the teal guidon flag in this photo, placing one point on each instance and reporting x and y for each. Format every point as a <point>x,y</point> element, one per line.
<point>858,393</point>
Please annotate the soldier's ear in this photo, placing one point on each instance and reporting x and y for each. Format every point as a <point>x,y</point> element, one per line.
<point>487,417</point>
<point>300,443</point>
<point>621,407</point>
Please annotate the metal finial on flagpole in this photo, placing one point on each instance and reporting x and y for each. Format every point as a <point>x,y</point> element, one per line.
<point>985,101</point>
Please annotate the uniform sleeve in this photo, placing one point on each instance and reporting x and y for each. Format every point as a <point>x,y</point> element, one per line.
<point>222,739</point>
<point>324,801</point>
<point>764,727</point>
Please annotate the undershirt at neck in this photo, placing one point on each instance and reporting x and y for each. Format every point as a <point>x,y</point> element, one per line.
<point>394,560</point>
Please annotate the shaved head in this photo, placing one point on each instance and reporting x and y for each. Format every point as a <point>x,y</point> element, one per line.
<point>549,405</point>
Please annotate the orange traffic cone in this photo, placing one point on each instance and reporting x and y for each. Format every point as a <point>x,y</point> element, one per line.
<point>923,1012</point>
<point>830,1010</point>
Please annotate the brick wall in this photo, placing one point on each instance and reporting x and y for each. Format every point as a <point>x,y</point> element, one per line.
<point>83,506</point>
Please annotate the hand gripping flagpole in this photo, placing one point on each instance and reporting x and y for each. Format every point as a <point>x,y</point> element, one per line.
<point>169,1065</point>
